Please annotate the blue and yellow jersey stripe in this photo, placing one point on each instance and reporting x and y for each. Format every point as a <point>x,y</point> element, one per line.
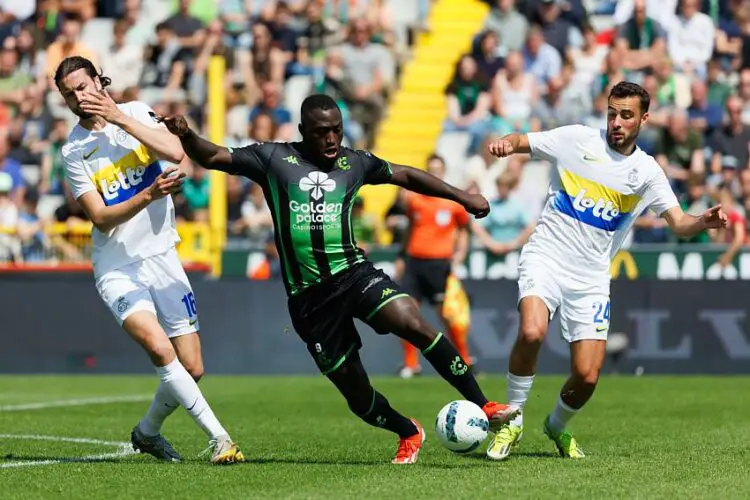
<point>127,176</point>
<point>592,203</point>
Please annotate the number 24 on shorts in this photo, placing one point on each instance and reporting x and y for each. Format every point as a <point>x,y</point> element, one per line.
<point>601,312</point>
<point>189,300</point>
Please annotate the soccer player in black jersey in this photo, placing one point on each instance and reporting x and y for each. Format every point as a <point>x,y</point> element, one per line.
<point>310,187</point>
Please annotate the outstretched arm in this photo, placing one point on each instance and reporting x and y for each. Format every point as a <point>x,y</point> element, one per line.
<point>201,151</point>
<point>687,226</point>
<point>510,144</point>
<point>422,182</point>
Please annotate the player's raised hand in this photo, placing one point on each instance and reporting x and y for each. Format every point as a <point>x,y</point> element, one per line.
<point>100,104</point>
<point>476,205</point>
<point>169,182</point>
<point>501,148</point>
<point>715,217</point>
<point>177,124</point>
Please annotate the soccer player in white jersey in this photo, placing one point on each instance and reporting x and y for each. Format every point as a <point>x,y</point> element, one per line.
<point>115,164</point>
<point>600,182</point>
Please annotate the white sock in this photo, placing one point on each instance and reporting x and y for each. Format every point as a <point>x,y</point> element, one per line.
<point>561,416</point>
<point>518,389</point>
<point>185,390</point>
<point>163,405</point>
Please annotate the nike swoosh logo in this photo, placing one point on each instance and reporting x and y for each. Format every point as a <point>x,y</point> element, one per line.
<point>87,156</point>
<point>590,158</point>
<point>601,329</point>
<point>193,405</point>
<point>193,322</point>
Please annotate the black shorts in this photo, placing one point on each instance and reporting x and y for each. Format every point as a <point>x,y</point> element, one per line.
<point>323,314</point>
<point>426,279</point>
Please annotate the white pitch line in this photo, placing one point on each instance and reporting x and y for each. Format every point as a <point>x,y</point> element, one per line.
<point>75,402</point>
<point>125,450</point>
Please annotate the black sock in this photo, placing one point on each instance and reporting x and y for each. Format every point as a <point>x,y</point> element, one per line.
<point>448,363</point>
<point>382,415</point>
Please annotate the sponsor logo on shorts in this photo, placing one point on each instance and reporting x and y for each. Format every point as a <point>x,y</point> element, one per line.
<point>122,305</point>
<point>601,329</point>
<point>193,321</point>
<point>528,285</point>
<point>387,292</point>
<point>372,282</point>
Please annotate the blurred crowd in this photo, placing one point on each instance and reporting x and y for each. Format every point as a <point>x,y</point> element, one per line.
<point>539,64</point>
<point>158,51</point>
<point>536,64</point>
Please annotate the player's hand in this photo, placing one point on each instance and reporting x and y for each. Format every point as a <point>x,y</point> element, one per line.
<point>715,218</point>
<point>169,182</point>
<point>101,104</point>
<point>177,124</point>
<point>501,148</point>
<point>476,205</point>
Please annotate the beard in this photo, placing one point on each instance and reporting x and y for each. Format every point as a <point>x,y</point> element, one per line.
<point>82,114</point>
<point>625,141</point>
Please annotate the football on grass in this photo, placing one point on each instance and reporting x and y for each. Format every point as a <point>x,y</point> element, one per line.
<point>461,426</point>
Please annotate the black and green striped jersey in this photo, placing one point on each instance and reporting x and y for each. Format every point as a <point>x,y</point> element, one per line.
<point>311,206</point>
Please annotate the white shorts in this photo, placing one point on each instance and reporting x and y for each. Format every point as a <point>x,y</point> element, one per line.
<point>157,284</point>
<point>583,309</point>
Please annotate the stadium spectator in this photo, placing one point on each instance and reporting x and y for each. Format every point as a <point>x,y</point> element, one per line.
<point>704,116</point>
<point>236,191</point>
<point>257,217</point>
<point>319,35</point>
<point>236,16</point>
<point>197,190</point>
<point>397,220</point>
<point>167,67</point>
<point>540,58</point>
<point>262,128</point>
<point>13,80</point>
<point>690,39</point>
<point>363,225</point>
<point>509,224</point>
<point>336,84</point>
<point>468,102</point>
<point>510,26</point>
<point>735,234</point>
<point>265,63</point>
<point>562,104</point>
<point>482,170</point>
<point>11,167</point>
<point>560,33</point>
<point>718,90</point>
<point>486,55</point>
<point>365,65</point>
<point>52,176</point>
<point>30,58</point>
<point>640,41</point>
<point>661,11</point>
<point>680,150</point>
<point>121,62</point>
<point>587,60</point>
<point>732,139</point>
<point>514,94</point>
<point>694,201</point>
<point>271,104</point>
<point>67,44</point>
<point>81,9</point>
<point>190,30</point>
<point>10,248</point>
<point>29,230</point>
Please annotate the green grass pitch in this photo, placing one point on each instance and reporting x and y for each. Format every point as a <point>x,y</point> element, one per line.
<point>646,437</point>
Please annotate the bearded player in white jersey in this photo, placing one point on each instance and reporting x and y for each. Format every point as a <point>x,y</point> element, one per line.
<point>114,163</point>
<point>600,182</point>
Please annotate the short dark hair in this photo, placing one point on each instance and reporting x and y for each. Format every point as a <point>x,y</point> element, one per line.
<point>630,89</point>
<point>435,156</point>
<point>74,63</point>
<point>318,101</point>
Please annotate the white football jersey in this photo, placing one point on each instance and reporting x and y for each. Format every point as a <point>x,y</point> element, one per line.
<point>118,166</point>
<point>595,195</point>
